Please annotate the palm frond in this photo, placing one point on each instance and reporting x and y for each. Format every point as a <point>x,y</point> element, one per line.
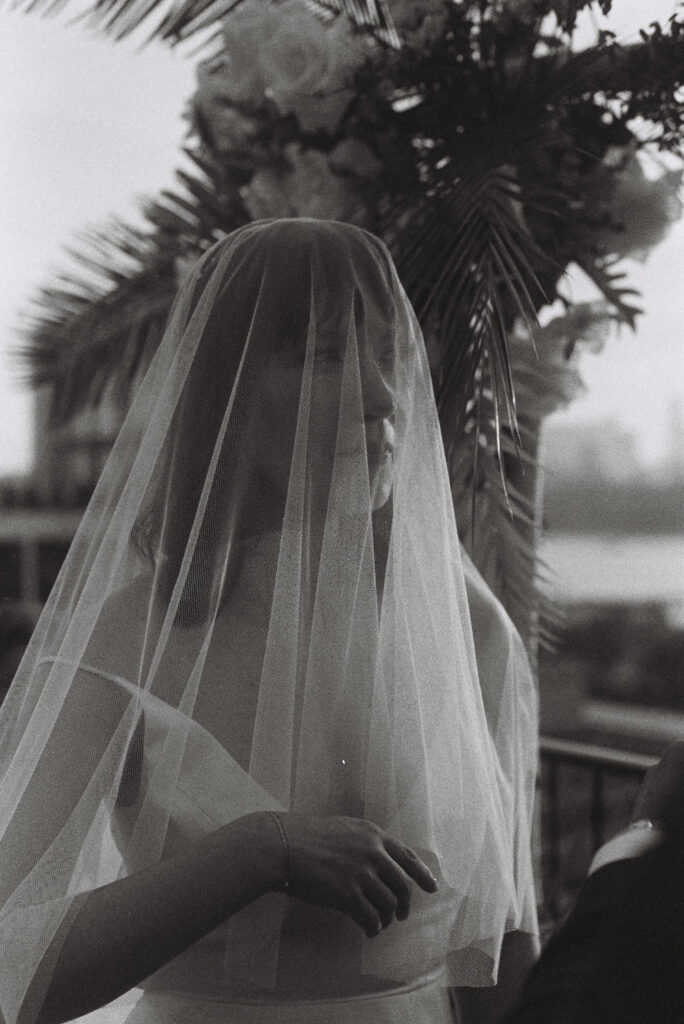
<point>375,16</point>
<point>466,261</point>
<point>94,329</point>
<point>608,278</point>
<point>498,495</point>
<point>175,21</point>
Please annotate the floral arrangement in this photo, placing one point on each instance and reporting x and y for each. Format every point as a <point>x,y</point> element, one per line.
<point>271,103</point>
<point>464,128</point>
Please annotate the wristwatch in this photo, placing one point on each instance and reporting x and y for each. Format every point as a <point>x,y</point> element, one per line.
<point>634,841</point>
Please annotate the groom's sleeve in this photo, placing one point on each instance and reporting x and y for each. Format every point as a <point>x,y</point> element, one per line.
<point>619,957</point>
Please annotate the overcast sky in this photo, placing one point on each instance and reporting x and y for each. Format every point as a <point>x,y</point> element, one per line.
<point>87,126</point>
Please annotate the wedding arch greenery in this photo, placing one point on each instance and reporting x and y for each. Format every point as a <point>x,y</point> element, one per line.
<point>470,135</point>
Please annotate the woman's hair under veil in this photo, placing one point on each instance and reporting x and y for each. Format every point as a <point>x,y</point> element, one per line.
<point>265,608</point>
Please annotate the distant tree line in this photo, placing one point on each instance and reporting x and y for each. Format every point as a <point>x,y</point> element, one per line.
<point>631,653</point>
<point>618,508</point>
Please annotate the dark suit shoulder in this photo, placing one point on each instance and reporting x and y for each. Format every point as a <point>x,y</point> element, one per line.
<point>618,957</point>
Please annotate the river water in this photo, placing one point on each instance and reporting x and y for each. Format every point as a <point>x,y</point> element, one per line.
<point>604,568</point>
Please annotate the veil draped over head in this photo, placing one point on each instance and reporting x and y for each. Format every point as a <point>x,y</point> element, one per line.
<point>266,607</point>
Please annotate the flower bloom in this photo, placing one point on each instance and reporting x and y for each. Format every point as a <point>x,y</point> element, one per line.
<point>310,188</point>
<point>282,53</point>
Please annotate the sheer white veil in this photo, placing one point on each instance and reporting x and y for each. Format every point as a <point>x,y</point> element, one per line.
<point>265,606</point>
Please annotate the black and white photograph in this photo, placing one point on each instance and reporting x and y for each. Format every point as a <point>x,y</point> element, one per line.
<point>342,512</point>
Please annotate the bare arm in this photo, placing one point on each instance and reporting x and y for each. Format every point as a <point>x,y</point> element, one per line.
<point>128,929</point>
<point>118,934</point>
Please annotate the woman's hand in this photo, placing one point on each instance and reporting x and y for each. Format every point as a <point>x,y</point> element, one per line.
<point>351,865</point>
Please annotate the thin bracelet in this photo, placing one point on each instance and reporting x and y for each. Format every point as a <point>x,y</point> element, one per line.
<point>286,848</point>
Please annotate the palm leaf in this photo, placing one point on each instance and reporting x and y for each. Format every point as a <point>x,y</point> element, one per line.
<point>466,262</point>
<point>609,278</point>
<point>375,16</point>
<point>175,21</point>
<point>87,333</point>
<point>497,495</point>
<point>94,329</point>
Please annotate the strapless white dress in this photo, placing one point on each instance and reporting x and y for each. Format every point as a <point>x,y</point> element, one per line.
<point>424,1002</point>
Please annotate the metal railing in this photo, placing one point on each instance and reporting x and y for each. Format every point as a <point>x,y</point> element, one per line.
<point>600,785</point>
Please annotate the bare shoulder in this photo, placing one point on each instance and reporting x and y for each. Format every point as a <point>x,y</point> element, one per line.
<point>488,617</point>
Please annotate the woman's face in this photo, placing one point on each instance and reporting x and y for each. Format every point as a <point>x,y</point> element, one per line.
<point>340,426</point>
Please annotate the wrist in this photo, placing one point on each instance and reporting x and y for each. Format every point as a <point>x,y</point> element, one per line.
<point>255,837</point>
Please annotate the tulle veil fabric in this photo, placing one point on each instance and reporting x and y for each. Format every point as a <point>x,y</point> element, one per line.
<point>266,606</point>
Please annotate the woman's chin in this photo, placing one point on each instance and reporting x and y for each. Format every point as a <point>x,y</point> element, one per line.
<point>381,488</point>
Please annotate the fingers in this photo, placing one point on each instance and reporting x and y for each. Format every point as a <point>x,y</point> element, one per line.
<point>354,866</point>
<point>389,890</point>
<point>411,863</point>
<point>400,885</point>
<point>365,914</point>
<point>384,901</point>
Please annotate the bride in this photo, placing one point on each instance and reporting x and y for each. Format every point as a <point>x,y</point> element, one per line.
<point>255,764</point>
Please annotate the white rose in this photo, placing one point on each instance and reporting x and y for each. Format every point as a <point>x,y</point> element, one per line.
<point>316,191</point>
<point>307,64</point>
<point>283,52</point>
<point>266,195</point>
<point>309,189</point>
